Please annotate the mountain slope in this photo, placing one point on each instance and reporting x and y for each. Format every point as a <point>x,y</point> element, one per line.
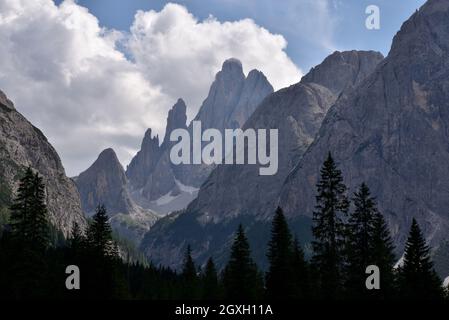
<point>165,187</point>
<point>392,132</point>
<point>23,145</point>
<point>105,183</point>
<point>235,193</point>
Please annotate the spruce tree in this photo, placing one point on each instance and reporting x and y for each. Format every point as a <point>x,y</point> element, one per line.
<point>241,278</point>
<point>99,235</point>
<point>30,235</point>
<point>211,288</point>
<point>29,221</point>
<point>382,255</point>
<point>76,241</point>
<point>279,277</point>
<point>39,224</point>
<point>20,210</point>
<point>417,278</point>
<point>329,230</point>
<point>189,277</point>
<point>301,274</point>
<point>360,230</point>
<point>102,277</point>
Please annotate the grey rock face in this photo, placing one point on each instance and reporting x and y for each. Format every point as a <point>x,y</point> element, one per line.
<point>297,113</point>
<point>145,161</point>
<point>343,70</point>
<point>255,88</point>
<point>23,145</point>
<point>176,119</point>
<point>392,132</point>
<point>231,100</point>
<point>104,182</point>
<point>233,191</point>
<point>151,174</point>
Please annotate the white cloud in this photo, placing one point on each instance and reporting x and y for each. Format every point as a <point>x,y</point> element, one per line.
<point>183,54</point>
<point>67,76</point>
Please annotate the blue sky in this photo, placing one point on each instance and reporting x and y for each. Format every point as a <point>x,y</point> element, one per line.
<point>287,17</point>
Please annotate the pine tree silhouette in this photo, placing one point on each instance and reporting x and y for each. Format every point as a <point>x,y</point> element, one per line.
<point>279,277</point>
<point>30,235</point>
<point>241,278</point>
<point>102,277</point>
<point>99,235</point>
<point>417,278</point>
<point>360,229</point>
<point>29,213</point>
<point>211,288</point>
<point>76,242</point>
<point>301,273</point>
<point>329,230</point>
<point>382,255</point>
<point>190,280</point>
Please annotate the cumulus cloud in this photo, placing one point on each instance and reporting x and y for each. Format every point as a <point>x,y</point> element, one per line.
<point>183,54</point>
<point>68,76</point>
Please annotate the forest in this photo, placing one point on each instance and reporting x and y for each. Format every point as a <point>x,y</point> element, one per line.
<point>349,234</point>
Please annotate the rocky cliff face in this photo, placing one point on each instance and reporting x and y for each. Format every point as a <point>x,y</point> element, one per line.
<point>23,145</point>
<point>104,182</point>
<point>236,192</point>
<point>232,98</point>
<point>297,113</point>
<point>145,160</point>
<point>392,132</point>
<point>343,70</point>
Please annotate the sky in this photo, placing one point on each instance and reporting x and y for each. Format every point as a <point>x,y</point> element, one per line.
<point>93,74</point>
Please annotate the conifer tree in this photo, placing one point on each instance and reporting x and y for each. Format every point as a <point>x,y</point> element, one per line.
<point>103,278</point>
<point>99,235</point>
<point>211,288</point>
<point>30,234</point>
<point>329,230</point>
<point>279,277</point>
<point>76,241</point>
<point>241,278</point>
<point>360,231</point>
<point>417,278</point>
<point>190,281</point>
<point>29,213</point>
<point>301,276</point>
<point>382,255</point>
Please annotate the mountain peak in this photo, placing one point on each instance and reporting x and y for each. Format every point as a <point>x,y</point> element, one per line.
<point>343,69</point>
<point>256,74</point>
<point>176,118</point>
<point>108,158</point>
<point>232,64</point>
<point>104,183</point>
<point>148,139</point>
<point>5,101</point>
<point>108,153</point>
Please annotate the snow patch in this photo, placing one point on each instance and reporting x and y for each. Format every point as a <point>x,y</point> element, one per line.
<point>165,199</point>
<point>185,188</point>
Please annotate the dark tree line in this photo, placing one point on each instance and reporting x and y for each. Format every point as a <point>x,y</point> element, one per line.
<point>347,239</point>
